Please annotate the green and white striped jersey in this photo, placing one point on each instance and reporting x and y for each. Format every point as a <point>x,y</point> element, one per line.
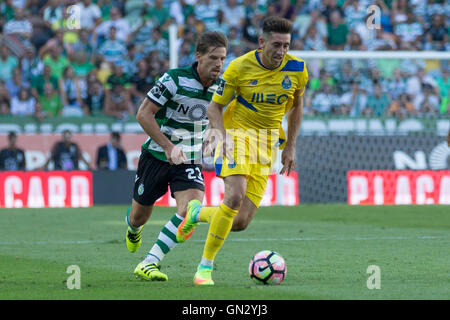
<point>182,117</point>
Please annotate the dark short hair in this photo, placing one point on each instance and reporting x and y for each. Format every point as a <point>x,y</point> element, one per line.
<point>210,39</point>
<point>115,135</point>
<point>12,134</point>
<point>277,25</point>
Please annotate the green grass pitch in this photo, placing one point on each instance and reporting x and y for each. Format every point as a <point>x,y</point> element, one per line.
<point>327,248</point>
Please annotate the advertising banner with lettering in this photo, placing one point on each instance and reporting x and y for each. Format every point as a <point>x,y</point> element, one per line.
<point>39,189</point>
<point>398,187</point>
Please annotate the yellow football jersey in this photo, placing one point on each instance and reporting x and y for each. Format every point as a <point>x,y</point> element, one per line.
<point>260,96</point>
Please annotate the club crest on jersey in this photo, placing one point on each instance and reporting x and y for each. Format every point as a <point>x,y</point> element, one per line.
<point>221,87</point>
<point>286,83</point>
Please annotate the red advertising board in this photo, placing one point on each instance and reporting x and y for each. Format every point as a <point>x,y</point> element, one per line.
<point>399,187</point>
<point>38,189</point>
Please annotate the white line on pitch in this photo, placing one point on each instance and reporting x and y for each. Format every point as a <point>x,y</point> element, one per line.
<point>76,242</point>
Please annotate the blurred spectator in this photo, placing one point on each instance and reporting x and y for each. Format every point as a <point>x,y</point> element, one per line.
<point>206,11</point>
<point>31,64</point>
<point>8,63</point>
<point>5,99</point>
<point>401,108</point>
<point>81,65</point>
<point>285,9</point>
<point>377,103</point>
<point>19,26</point>
<point>234,13</point>
<point>251,29</point>
<point>140,31</point>
<point>6,11</point>
<point>353,101</point>
<point>39,81</point>
<point>344,77</point>
<point>12,158</point>
<point>436,36</point>
<point>355,13</point>
<point>179,10</point>
<point>415,83</point>
<point>95,99</point>
<point>113,50</point>
<point>313,40</point>
<point>105,8</point>
<point>158,13</point>
<point>134,9</point>
<point>41,29</point>
<point>50,101</point>
<point>118,104</point>
<point>118,77</point>
<point>221,24</point>
<point>156,43</point>
<point>111,156</point>
<point>56,41</point>
<point>132,59</point>
<point>397,86</point>
<point>120,24</point>
<point>4,108</point>
<point>53,12</point>
<point>382,41</point>
<point>303,22</point>
<point>13,85</point>
<point>337,31</point>
<point>443,83</point>
<point>141,81</point>
<point>330,7</point>
<point>65,154</point>
<point>90,15</point>
<point>354,42</point>
<point>426,101</point>
<point>83,44</point>
<point>72,91</point>
<point>398,13</point>
<point>23,104</point>
<point>324,101</point>
<point>235,51</point>
<point>68,26</point>
<point>56,61</point>
<point>409,33</point>
<point>187,55</point>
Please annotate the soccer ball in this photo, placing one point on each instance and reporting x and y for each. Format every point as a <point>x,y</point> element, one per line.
<point>267,267</point>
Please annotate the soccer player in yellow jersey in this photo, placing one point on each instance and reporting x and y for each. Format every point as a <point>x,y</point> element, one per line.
<point>262,85</point>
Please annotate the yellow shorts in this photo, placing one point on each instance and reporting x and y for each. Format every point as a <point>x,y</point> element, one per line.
<point>256,168</point>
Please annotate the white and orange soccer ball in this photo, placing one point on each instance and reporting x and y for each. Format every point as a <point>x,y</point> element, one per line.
<point>267,267</point>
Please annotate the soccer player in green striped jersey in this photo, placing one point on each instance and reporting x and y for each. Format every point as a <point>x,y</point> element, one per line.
<point>174,117</point>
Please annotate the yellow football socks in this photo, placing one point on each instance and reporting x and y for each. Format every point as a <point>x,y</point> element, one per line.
<point>206,214</point>
<point>220,227</point>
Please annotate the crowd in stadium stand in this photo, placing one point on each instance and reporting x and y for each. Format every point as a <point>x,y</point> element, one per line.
<point>102,56</point>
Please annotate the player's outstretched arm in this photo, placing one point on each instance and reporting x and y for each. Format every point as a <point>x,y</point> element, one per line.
<point>295,117</point>
<point>146,118</point>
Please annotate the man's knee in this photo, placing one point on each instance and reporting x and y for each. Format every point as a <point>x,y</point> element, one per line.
<point>234,200</point>
<point>239,225</point>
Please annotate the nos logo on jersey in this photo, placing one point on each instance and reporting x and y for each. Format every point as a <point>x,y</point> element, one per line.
<point>195,112</point>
